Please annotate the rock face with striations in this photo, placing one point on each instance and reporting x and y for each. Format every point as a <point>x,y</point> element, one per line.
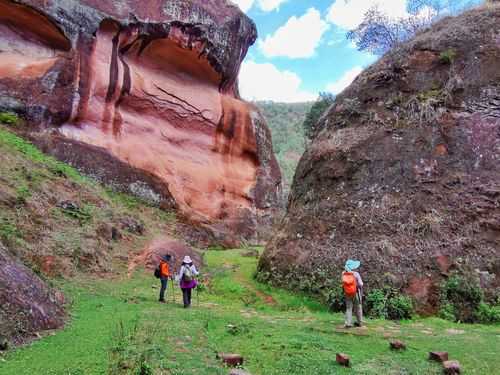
<point>27,304</point>
<point>404,171</point>
<point>143,95</point>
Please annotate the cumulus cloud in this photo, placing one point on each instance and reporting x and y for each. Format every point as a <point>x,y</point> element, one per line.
<point>266,82</point>
<point>297,38</point>
<point>349,14</point>
<point>269,5</point>
<point>265,5</point>
<point>244,5</point>
<point>338,86</point>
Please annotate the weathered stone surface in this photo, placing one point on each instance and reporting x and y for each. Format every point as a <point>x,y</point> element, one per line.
<point>343,359</point>
<point>402,173</point>
<point>152,253</point>
<point>451,367</point>
<point>144,97</point>
<point>397,345</point>
<point>27,304</point>
<point>231,359</point>
<point>438,356</point>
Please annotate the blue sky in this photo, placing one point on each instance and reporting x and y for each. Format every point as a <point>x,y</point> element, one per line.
<point>302,48</point>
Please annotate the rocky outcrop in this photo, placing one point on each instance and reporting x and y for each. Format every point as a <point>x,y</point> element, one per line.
<point>404,172</point>
<point>27,304</point>
<point>143,95</point>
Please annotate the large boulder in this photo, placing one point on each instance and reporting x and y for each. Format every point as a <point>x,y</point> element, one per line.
<point>27,304</point>
<point>143,95</point>
<point>404,171</point>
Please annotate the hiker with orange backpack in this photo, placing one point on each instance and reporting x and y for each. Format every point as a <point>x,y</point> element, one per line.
<point>163,273</point>
<point>353,290</point>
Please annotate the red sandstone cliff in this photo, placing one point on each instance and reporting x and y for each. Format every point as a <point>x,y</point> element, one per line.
<point>143,96</point>
<point>404,172</point>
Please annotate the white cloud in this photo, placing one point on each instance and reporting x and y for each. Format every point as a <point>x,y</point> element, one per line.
<point>338,86</point>
<point>348,14</point>
<point>266,82</point>
<point>269,5</point>
<point>298,38</point>
<point>244,5</point>
<point>265,5</point>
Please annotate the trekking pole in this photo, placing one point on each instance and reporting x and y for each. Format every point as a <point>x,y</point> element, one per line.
<point>173,290</point>
<point>197,297</point>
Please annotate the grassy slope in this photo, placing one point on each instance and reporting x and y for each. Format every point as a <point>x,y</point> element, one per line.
<point>117,328</point>
<point>34,226</point>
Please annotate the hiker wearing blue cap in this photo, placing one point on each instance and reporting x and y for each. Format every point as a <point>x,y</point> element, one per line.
<point>353,290</point>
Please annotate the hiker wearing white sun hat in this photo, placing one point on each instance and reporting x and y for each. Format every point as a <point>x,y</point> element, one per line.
<point>187,280</point>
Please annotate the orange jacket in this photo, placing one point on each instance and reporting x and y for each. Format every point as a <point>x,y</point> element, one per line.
<point>164,270</point>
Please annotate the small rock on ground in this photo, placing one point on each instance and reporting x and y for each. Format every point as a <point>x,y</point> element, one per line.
<point>397,345</point>
<point>343,359</point>
<point>237,371</point>
<point>438,356</point>
<point>451,367</point>
<point>231,359</point>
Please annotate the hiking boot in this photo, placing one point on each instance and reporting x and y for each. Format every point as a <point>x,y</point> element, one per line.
<point>347,326</point>
<point>162,301</point>
<point>358,324</point>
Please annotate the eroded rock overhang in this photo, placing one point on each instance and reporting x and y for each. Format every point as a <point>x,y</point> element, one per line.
<point>143,95</point>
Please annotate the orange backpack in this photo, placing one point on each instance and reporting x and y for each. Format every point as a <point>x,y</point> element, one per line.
<point>349,284</point>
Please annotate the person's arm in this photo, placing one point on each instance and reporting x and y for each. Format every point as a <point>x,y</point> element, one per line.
<point>181,272</point>
<point>195,271</point>
<point>359,281</point>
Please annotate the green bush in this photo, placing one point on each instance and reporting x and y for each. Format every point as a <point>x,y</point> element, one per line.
<point>376,304</point>
<point>447,57</point>
<point>324,101</point>
<point>388,303</point>
<point>335,299</point>
<point>486,313</point>
<point>447,312</point>
<point>400,307</point>
<point>8,118</point>
<point>463,295</point>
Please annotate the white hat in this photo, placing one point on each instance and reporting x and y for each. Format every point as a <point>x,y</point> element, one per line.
<point>187,259</point>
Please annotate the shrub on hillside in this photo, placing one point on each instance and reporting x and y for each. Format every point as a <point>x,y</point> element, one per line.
<point>388,303</point>
<point>324,101</point>
<point>8,118</point>
<point>463,297</point>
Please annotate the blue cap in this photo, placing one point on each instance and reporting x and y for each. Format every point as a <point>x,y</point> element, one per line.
<point>351,265</point>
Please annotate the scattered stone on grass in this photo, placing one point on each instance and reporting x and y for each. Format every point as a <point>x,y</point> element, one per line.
<point>453,331</point>
<point>238,371</point>
<point>230,359</point>
<point>438,356</point>
<point>451,367</point>
<point>343,359</point>
<point>397,345</point>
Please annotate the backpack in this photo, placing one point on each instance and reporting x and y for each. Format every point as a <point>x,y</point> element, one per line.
<point>157,272</point>
<point>349,283</point>
<point>188,274</point>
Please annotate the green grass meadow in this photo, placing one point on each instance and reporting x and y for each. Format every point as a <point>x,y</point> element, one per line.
<point>118,327</point>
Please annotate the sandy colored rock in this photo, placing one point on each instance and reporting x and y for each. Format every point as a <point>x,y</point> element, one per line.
<point>145,99</point>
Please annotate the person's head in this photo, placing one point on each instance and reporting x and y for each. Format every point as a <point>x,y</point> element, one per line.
<point>166,258</point>
<point>352,265</point>
<point>187,260</point>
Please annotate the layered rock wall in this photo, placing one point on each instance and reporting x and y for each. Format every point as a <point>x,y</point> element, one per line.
<point>404,172</point>
<point>153,86</point>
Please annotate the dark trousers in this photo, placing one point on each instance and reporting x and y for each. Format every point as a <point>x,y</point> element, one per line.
<point>163,288</point>
<point>186,296</point>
